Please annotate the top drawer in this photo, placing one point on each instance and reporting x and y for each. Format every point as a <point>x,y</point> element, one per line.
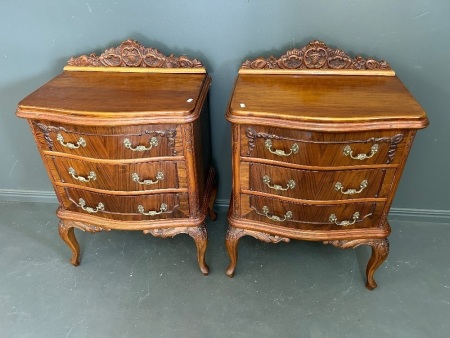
<point>322,149</point>
<point>131,142</point>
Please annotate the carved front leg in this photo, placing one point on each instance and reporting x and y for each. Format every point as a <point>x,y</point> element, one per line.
<point>66,232</point>
<point>380,251</point>
<point>232,239</point>
<point>199,234</point>
<point>200,237</point>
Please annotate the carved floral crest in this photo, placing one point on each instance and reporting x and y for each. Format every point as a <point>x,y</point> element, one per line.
<point>131,53</point>
<point>316,55</point>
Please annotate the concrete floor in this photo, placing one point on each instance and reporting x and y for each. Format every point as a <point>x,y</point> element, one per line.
<point>135,285</point>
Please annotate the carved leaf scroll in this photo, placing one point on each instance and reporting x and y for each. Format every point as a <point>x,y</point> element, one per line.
<point>316,55</point>
<point>131,53</point>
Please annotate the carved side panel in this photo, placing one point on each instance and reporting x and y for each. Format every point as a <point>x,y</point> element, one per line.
<point>131,53</point>
<point>188,137</point>
<point>194,202</point>
<point>393,148</point>
<point>316,55</point>
<point>236,156</point>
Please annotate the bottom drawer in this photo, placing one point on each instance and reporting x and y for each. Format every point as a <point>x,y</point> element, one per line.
<point>311,216</point>
<point>130,207</point>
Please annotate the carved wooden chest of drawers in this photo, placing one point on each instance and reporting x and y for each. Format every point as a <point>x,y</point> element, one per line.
<point>125,140</point>
<point>319,144</point>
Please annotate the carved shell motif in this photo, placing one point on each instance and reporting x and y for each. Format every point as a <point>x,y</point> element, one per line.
<point>316,55</point>
<point>132,54</point>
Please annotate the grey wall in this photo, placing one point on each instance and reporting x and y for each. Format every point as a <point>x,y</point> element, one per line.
<point>37,37</point>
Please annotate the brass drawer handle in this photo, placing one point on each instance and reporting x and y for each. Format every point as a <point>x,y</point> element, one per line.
<point>162,208</point>
<point>153,143</point>
<point>82,203</point>
<point>294,149</point>
<point>290,184</point>
<point>265,212</point>
<point>349,152</point>
<point>92,176</point>
<point>339,187</point>
<point>159,177</point>
<point>333,219</point>
<point>81,142</point>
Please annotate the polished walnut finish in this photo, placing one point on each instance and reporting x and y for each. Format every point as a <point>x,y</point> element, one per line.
<point>125,140</point>
<point>319,144</point>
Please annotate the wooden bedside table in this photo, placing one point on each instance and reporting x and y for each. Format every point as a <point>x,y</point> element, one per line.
<point>124,137</point>
<point>320,141</point>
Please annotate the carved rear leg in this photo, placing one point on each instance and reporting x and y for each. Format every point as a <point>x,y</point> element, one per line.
<point>66,232</point>
<point>212,199</point>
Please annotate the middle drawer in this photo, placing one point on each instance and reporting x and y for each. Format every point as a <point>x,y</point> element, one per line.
<point>150,175</point>
<point>316,184</point>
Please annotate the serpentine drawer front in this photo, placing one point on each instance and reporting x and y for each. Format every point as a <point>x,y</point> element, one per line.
<point>127,207</point>
<point>125,141</point>
<point>130,142</point>
<point>321,149</point>
<point>320,158</point>
<point>310,184</point>
<point>147,176</point>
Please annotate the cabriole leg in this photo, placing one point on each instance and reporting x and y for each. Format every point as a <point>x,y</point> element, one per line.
<point>200,236</point>
<point>231,241</point>
<point>66,232</point>
<point>380,251</point>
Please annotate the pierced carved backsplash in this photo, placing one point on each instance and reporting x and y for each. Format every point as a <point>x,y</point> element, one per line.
<point>131,53</point>
<point>316,55</point>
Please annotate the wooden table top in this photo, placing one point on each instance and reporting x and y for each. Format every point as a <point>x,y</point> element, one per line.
<point>74,95</point>
<point>339,101</point>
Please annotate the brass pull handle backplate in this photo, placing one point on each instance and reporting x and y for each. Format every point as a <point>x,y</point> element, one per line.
<point>81,142</point>
<point>265,212</point>
<point>294,149</point>
<point>339,187</point>
<point>82,203</point>
<point>349,152</point>
<point>289,185</point>
<point>153,143</point>
<point>92,176</point>
<point>159,177</point>
<point>162,209</point>
<point>333,219</point>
